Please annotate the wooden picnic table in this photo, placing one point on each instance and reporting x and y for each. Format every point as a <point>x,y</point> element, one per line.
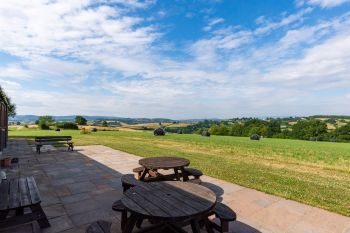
<point>170,203</point>
<point>17,194</point>
<point>166,163</point>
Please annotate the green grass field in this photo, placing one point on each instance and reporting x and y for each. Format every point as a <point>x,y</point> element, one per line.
<point>315,173</point>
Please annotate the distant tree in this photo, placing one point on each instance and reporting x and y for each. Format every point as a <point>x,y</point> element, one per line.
<point>236,129</point>
<point>343,133</point>
<point>104,123</point>
<point>66,125</point>
<point>306,129</point>
<point>214,130</point>
<point>11,107</point>
<point>223,130</point>
<point>45,122</point>
<point>254,130</point>
<point>18,123</point>
<point>80,120</point>
<point>274,127</point>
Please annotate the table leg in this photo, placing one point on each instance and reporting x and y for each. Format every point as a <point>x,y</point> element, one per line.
<point>184,174</point>
<point>144,173</point>
<point>176,174</point>
<point>208,226</point>
<point>195,226</point>
<point>130,224</point>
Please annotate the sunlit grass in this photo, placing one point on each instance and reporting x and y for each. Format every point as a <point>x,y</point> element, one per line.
<point>315,173</point>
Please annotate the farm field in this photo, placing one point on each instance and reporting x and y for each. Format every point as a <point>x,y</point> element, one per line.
<point>314,173</point>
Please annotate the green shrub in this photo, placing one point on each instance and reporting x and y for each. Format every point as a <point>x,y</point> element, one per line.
<point>44,125</point>
<point>66,125</point>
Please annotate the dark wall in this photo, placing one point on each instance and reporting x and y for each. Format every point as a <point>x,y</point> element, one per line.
<point>3,125</point>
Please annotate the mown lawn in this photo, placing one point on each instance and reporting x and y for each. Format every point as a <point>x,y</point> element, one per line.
<point>315,173</point>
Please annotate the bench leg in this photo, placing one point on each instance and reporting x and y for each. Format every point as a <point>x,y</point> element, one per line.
<point>124,219</point>
<point>42,219</point>
<point>195,226</point>
<point>208,226</point>
<point>38,147</point>
<point>130,223</point>
<point>224,226</point>
<point>70,146</point>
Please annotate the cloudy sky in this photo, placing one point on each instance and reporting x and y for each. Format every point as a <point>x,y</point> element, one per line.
<point>177,59</point>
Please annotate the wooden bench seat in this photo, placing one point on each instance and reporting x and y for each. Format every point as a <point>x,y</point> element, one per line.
<point>139,171</point>
<point>99,226</point>
<point>17,194</point>
<point>193,172</point>
<point>50,140</point>
<point>225,214</point>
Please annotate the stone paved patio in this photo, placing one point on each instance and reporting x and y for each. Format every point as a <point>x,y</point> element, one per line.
<point>79,187</point>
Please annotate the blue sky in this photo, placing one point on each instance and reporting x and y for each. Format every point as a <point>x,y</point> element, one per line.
<point>178,59</point>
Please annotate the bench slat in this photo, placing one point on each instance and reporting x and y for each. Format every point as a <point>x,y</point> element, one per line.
<point>24,194</point>
<point>33,190</point>
<point>4,194</point>
<point>14,197</point>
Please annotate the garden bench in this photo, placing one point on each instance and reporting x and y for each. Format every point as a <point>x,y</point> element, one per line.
<point>119,207</point>
<point>193,172</point>
<point>225,214</point>
<point>138,170</point>
<point>49,140</point>
<point>16,195</point>
<point>99,226</point>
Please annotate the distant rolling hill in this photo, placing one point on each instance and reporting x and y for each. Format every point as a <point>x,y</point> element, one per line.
<point>33,118</point>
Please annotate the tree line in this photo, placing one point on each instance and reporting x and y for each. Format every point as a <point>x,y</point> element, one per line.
<point>304,129</point>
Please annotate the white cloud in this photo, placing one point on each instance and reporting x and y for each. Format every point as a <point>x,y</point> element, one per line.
<point>322,3</point>
<point>232,71</point>
<point>212,23</point>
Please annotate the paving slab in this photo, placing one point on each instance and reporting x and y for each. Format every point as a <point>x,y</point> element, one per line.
<point>79,187</point>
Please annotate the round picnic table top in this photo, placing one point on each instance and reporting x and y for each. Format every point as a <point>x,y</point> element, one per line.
<point>163,162</point>
<point>169,200</point>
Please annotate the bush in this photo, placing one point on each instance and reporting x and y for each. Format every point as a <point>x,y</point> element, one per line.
<point>44,125</point>
<point>93,130</point>
<point>66,125</point>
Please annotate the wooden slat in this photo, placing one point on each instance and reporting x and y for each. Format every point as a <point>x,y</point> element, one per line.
<point>33,190</point>
<point>150,209</point>
<point>175,205</point>
<point>4,194</point>
<point>24,194</point>
<point>14,195</point>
